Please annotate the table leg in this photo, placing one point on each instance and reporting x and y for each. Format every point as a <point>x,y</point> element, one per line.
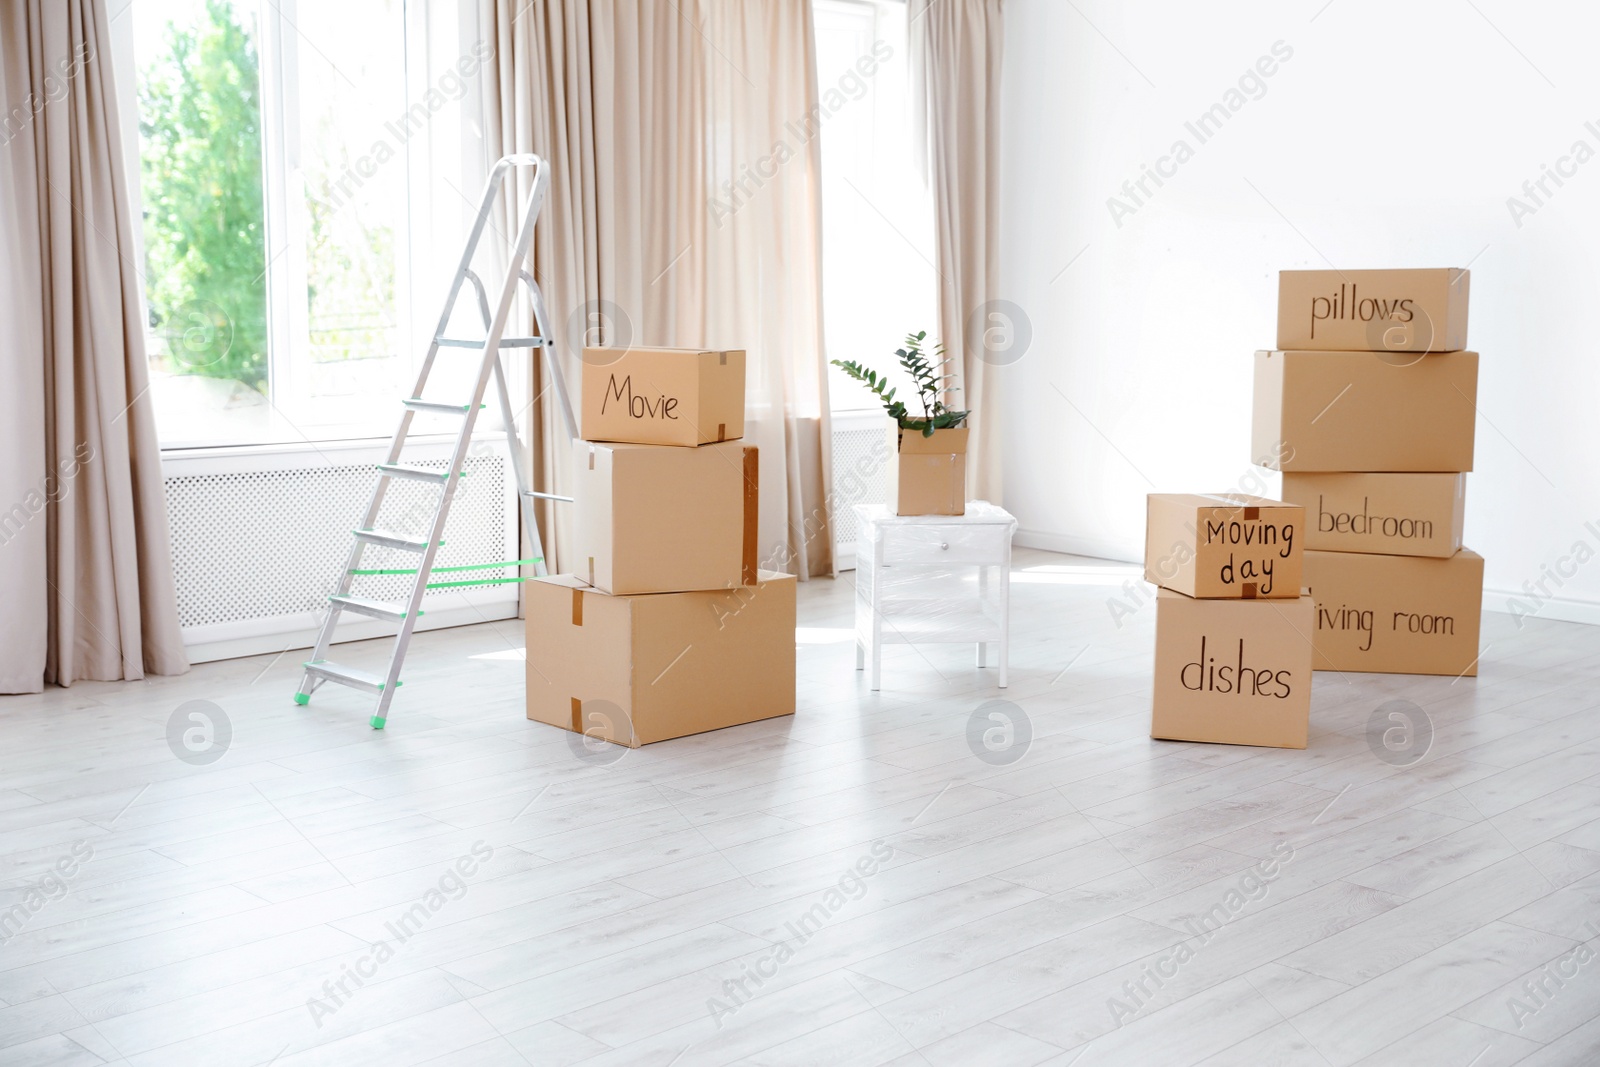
<point>875,678</point>
<point>1005,619</point>
<point>983,597</point>
<point>861,654</point>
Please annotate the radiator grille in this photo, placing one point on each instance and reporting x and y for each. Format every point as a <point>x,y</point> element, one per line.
<point>859,477</point>
<point>255,544</point>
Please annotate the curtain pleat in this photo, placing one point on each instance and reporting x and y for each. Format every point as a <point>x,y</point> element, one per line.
<point>84,544</point>
<point>956,50</point>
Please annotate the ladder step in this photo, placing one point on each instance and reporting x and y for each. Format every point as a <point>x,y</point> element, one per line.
<point>418,404</point>
<point>377,609</point>
<point>547,496</point>
<point>505,342</point>
<point>389,539</point>
<point>354,677</point>
<point>416,474</point>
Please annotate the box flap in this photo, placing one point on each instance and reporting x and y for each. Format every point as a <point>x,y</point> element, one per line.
<point>943,442</point>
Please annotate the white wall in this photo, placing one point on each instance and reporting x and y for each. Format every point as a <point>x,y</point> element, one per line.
<point>1393,136</point>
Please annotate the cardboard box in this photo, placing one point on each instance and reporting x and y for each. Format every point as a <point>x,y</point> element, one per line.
<point>662,396</point>
<point>1223,545</point>
<point>638,669</point>
<point>1396,614</point>
<point>1394,514</point>
<point>657,519</point>
<point>1365,411</point>
<point>1373,310</point>
<point>1236,672</point>
<point>929,474</point>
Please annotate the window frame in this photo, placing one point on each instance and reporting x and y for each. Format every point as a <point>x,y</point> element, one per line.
<point>279,48</point>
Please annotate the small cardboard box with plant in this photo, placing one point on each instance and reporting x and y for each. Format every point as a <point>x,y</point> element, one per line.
<point>929,474</point>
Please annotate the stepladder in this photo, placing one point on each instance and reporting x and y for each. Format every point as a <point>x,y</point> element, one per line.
<point>420,547</point>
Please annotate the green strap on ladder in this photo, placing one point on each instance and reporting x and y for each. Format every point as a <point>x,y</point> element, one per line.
<point>366,572</point>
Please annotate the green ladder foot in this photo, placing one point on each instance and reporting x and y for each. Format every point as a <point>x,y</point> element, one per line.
<point>377,723</point>
<point>302,698</point>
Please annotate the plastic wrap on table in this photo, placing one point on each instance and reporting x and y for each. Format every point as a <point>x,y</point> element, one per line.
<point>933,577</point>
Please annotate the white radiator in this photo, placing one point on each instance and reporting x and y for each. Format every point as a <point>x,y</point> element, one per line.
<point>259,537</point>
<point>859,475</point>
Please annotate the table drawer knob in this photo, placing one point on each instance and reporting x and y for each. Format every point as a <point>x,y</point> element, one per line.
<point>944,544</point>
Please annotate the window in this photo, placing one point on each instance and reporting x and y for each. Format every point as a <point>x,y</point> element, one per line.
<point>285,151</point>
<point>878,278</point>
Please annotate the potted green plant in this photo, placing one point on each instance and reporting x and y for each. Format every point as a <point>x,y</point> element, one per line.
<point>929,474</point>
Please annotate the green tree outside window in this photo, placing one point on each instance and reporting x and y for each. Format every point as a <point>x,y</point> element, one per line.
<point>204,215</point>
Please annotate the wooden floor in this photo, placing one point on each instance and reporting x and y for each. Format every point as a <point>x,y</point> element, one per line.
<point>853,885</point>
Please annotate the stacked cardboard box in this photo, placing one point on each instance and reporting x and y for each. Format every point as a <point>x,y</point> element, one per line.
<point>1233,630</point>
<point>667,627</point>
<point>1368,407</point>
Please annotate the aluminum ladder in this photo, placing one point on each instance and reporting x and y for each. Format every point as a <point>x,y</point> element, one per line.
<point>319,669</point>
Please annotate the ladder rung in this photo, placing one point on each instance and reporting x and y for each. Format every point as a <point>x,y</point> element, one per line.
<point>390,539</point>
<point>416,474</point>
<point>377,609</point>
<point>505,342</point>
<point>417,404</point>
<point>548,496</point>
<point>354,677</point>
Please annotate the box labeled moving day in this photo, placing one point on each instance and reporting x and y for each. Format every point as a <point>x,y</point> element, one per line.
<point>662,396</point>
<point>1364,411</point>
<point>1396,614</point>
<point>928,475</point>
<point>637,669</point>
<point>1394,514</point>
<point>1373,310</point>
<point>1236,672</point>
<point>658,519</point>
<point>1223,545</point>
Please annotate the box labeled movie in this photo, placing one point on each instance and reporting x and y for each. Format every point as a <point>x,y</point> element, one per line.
<point>928,475</point>
<point>1396,614</point>
<point>638,669</point>
<point>1365,411</point>
<point>1223,545</point>
<point>1393,514</point>
<point>662,396</point>
<point>658,519</point>
<point>1235,672</point>
<point>1373,310</point>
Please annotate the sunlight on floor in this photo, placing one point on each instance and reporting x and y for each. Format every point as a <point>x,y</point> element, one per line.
<point>518,655</point>
<point>1112,574</point>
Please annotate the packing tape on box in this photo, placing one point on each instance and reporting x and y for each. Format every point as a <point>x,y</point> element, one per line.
<point>752,505</point>
<point>577,607</point>
<point>577,716</point>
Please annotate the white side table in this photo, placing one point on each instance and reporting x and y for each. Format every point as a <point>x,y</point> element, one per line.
<point>926,578</point>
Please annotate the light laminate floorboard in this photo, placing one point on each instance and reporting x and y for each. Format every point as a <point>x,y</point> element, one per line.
<point>299,901</point>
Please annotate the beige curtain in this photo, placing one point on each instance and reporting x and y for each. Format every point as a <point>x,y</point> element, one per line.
<point>955,59</point>
<point>683,211</point>
<point>85,568</point>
